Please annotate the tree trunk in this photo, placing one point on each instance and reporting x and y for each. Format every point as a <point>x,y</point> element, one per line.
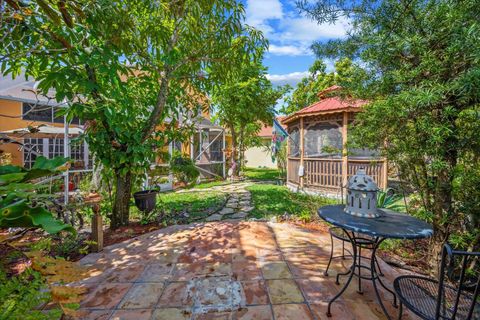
<point>242,149</point>
<point>121,206</point>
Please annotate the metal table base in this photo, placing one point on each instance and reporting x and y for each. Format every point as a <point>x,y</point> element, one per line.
<point>356,270</point>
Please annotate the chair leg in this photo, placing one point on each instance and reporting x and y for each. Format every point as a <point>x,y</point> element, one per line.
<point>360,270</point>
<point>380,273</point>
<point>325,273</point>
<point>400,311</point>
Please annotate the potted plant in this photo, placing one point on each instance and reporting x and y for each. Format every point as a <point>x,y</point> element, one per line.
<point>146,200</point>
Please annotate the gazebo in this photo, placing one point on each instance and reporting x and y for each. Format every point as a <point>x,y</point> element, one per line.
<point>318,160</point>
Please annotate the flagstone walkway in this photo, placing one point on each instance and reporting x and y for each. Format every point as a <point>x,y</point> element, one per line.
<point>223,270</point>
<point>238,203</point>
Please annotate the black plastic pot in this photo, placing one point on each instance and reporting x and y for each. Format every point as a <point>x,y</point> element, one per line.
<point>145,200</point>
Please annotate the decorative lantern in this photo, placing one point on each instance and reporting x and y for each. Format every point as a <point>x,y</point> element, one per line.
<point>362,196</point>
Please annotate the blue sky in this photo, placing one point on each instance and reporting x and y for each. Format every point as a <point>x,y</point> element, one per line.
<point>290,35</point>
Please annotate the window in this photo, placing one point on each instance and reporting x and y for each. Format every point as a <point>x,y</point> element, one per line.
<point>33,147</point>
<point>77,151</point>
<point>294,142</point>
<point>41,112</point>
<point>216,140</point>
<point>55,147</point>
<point>37,112</point>
<point>59,118</point>
<point>323,139</point>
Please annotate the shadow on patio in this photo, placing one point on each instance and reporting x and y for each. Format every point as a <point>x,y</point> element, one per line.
<point>225,270</point>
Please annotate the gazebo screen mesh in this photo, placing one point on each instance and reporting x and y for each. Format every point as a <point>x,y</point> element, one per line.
<point>323,139</point>
<point>294,143</point>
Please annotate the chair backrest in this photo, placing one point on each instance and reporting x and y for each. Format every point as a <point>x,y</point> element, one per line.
<point>459,278</point>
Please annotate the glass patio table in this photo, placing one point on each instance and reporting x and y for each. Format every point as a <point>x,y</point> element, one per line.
<point>390,225</point>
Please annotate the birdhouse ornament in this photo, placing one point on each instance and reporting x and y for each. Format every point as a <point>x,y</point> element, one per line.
<point>362,196</point>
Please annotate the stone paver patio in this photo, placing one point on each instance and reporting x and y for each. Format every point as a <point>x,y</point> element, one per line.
<point>224,270</point>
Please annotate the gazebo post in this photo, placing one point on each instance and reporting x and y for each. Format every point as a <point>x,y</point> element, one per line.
<point>288,161</point>
<point>383,183</point>
<point>302,144</point>
<point>344,150</point>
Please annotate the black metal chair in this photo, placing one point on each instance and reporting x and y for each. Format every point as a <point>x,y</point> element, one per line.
<point>339,234</point>
<point>455,295</point>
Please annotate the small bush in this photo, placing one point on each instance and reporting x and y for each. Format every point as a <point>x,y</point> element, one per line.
<point>184,169</point>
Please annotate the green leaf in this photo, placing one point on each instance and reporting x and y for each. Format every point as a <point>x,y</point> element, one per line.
<point>43,163</point>
<point>12,177</point>
<point>20,214</point>
<point>10,169</point>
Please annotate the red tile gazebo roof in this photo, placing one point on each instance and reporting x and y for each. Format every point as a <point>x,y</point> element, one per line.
<point>330,104</point>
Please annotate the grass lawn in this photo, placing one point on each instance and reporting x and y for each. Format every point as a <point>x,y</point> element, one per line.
<point>261,173</point>
<point>197,204</point>
<point>205,185</point>
<point>271,200</point>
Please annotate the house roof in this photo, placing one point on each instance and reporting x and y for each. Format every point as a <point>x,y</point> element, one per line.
<point>328,104</point>
<point>267,131</point>
<point>203,123</point>
<point>22,89</point>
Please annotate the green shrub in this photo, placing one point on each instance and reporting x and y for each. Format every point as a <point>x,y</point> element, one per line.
<point>21,296</point>
<point>184,169</point>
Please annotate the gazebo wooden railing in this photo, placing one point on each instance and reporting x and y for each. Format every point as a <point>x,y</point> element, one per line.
<point>327,174</point>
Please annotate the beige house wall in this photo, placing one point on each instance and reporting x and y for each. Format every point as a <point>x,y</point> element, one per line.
<point>259,156</point>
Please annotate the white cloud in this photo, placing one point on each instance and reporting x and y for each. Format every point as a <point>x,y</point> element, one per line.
<point>289,32</point>
<point>289,50</point>
<point>259,12</point>
<point>302,29</point>
<point>288,78</point>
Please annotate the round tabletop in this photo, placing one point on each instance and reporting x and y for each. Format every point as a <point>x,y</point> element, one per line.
<point>390,224</point>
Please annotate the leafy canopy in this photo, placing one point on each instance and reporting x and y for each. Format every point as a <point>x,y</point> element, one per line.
<point>136,71</point>
<point>306,91</point>
<point>246,102</point>
<point>422,64</point>
<point>127,66</point>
